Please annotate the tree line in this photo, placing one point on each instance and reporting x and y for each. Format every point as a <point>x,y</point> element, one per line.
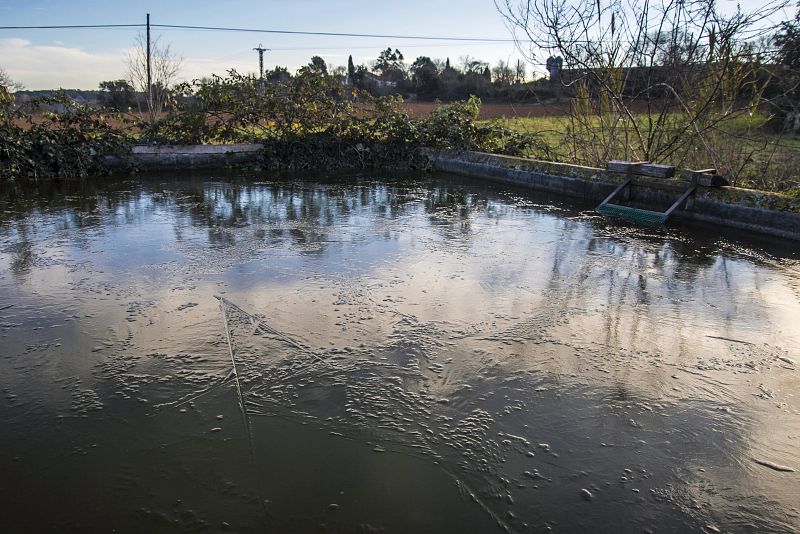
<point>426,79</point>
<point>433,79</point>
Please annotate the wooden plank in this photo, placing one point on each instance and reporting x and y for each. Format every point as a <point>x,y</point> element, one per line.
<point>621,167</point>
<point>656,170</point>
<point>704,177</point>
<point>680,201</point>
<point>711,180</point>
<point>641,168</point>
<point>616,191</point>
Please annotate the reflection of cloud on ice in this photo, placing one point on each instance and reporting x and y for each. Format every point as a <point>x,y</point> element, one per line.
<point>53,66</point>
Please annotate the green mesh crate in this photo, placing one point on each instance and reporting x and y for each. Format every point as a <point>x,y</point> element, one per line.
<point>634,215</point>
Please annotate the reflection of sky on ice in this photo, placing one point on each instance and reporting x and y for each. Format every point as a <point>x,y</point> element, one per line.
<point>440,319</point>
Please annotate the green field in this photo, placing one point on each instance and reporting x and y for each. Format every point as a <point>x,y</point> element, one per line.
<point>747,152</point>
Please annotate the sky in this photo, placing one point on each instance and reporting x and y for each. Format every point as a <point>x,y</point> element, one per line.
<point>81,59</point>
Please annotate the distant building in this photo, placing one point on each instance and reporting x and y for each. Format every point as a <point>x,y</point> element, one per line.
<point>554,65</point>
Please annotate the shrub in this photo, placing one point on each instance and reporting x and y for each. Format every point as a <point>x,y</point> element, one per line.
<point>307,121</point>
<point>70,142</point>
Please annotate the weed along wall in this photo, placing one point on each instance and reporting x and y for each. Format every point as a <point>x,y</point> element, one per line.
<point>762,212</point>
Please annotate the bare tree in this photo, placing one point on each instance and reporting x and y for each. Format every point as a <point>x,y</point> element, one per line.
<point>519,72</point>
<point>165,66</point>
<point>8,82</point>
<point>649,79</point>
<point>502,73</point>
<point>472,65</point>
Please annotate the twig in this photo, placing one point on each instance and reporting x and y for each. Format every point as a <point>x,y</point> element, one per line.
<point>242,406</point>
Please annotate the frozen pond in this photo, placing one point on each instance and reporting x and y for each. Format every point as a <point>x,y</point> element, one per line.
<point>387,353</point>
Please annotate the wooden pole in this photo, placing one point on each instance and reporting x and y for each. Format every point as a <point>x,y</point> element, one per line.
<point>621,186</point>
<point>149,72</point>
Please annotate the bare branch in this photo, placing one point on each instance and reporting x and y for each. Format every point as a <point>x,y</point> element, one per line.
<point>165,66</point>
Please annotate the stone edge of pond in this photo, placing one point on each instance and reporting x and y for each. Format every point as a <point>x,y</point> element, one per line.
<point>758,211</point>
<point>173,157</point>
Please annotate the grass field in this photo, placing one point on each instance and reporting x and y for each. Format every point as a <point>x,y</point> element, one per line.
<point>496,111</point>
<point>748,152</point>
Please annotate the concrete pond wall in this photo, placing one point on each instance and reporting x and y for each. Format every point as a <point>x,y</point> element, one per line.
<point>758,211</point>
<point>160,157</point>
<point>747,209</point>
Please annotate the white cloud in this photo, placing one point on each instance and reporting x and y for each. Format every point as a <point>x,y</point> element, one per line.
<point>50,67</point>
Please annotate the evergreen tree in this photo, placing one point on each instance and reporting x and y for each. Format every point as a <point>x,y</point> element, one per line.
<point>390,65</point>
<point>351,68</point>
<point>120,94</point>
<point>318,65</point>
<point>788,41</point>
<point>425,77</point>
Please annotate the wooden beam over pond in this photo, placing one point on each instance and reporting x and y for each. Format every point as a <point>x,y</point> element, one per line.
<point>641,168</point>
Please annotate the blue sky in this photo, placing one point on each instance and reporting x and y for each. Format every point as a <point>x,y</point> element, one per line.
<point>82,58</point>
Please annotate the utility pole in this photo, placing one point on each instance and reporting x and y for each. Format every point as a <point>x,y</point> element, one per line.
<point>260,49</point>
<point>149,72</point>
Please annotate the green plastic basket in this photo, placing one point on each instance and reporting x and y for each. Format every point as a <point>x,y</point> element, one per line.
<point>634,215</point>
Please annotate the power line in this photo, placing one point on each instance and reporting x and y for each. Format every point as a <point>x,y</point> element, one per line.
<point>260,30</point>
<point>291,32</point>
<point>246,51</point>
<point>73,27</point>
<point>334,34</point>
<point>360,47</point>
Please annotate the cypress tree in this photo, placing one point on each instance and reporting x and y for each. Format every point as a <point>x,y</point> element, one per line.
<point>351,69</point>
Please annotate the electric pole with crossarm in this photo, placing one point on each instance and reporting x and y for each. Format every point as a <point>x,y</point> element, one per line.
<point>260,49</point>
